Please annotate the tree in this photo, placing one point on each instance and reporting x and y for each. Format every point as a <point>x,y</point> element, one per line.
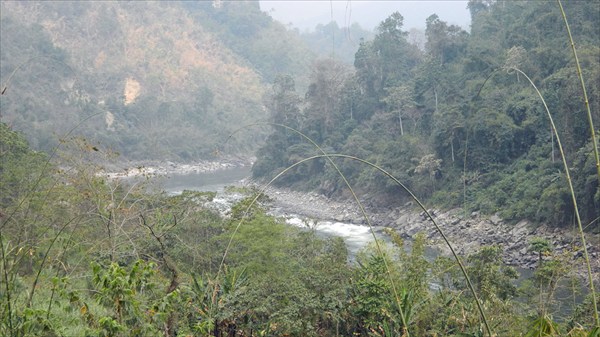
<point>477,7</point>
<point>366,63</point>
<point>396,56</point>
<point>540,246</point>
<point>444,43</point>
<point>430,165</point>
<point>491,278</point>
<point>387,60</point>
<point>323,99</point>
<point>283,104</point>
<point>399,100</point>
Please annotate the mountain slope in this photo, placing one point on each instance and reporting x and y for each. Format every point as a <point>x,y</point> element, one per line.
<point>456,123</point>
<point>158,83</point>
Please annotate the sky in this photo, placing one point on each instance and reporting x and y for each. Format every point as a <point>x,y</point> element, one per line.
<point>306,14</point>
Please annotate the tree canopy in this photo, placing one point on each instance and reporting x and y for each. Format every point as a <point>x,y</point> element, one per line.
<point>460,102</point>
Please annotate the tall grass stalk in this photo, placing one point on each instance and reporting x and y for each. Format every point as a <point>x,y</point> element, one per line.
<point>571,189</point>
<point>574,199</point>
<point>594,145</point>
<point>6,284</point>
<point>591,223</point>
<point>360,205</point>
<point>438,228</point>
<point>585,98</point>
<point>31,190</point>
<point>44,259</point>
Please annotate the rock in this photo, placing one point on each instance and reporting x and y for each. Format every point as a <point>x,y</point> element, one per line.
<point>466,231</point>
<point>521,228</point>
<point>495,219</point>
<point>402,220</point>
<point>457,212</point>
<point>358,220</point>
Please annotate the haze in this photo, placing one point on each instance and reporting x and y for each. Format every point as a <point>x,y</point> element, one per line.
<point>305,15</point>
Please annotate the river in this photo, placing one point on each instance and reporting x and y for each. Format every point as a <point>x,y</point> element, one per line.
<point>356,236</point>
<point>214,181</point>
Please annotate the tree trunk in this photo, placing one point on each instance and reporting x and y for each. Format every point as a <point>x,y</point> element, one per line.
<point>552,141</point>
<point>401,128</point>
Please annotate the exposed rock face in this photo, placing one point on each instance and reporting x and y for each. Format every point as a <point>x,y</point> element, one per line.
<point>131,91</point>
<point>466,232</point>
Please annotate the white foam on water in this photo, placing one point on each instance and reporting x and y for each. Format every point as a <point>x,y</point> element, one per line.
<point>355,236</point>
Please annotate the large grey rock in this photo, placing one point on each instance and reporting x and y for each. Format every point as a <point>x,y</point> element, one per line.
<point>495,219</point>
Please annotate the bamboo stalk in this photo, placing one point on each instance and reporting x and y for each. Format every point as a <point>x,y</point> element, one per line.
<point>585,99</point>
<point>574,199</point>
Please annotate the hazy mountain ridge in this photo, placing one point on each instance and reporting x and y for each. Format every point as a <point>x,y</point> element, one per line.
<point>144,66</point>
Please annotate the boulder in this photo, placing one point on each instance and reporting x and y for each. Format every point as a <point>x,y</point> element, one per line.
<point>495,219</point>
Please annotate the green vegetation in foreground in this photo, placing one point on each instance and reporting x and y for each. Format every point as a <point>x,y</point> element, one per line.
<point>82,255</point>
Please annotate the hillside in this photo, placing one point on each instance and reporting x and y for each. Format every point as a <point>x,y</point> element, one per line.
<point>456,123</point>
<point>459,122</point>
<point>159,81</point>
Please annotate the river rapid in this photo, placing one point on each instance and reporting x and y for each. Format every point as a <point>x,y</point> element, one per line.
<point>342,218</point>
<point>295,208</point>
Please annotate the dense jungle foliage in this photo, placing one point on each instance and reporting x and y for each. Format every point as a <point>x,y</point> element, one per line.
<point>454,122</point>
<point>86,256</point>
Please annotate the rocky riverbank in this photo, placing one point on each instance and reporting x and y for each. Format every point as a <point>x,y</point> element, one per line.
<point>156,168</point>
<point>466,232</point>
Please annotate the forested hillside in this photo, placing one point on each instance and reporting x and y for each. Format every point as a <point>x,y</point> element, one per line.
<point>159,80</point>
<point>458,123</point>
